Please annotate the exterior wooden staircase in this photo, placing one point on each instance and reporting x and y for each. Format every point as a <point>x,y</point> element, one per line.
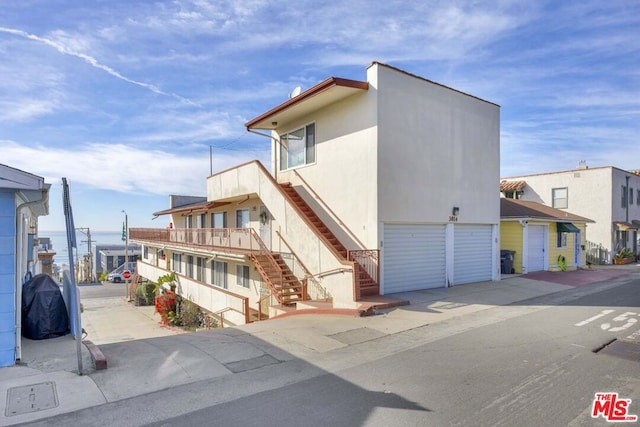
<point>286,287</point>
<point>366,286</point>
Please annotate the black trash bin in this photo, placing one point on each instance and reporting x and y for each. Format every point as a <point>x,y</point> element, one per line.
<point>506,261</point>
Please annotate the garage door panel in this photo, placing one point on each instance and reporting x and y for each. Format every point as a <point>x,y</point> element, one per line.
<point>414,257</point>
<point>473,254</point>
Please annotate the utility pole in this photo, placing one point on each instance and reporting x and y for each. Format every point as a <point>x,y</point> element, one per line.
<point>87,232</point>
<point>125,238</point>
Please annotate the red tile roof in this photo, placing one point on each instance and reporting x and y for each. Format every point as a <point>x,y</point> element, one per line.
<point>512,186</point>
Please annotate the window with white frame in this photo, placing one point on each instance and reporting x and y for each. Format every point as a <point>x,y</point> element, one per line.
<point>242,275</point>
<point>560,197</point>
<point>200,269</point>
<point>219,220</point>
<point>189,267</point>
<point>201,220</point>
<point>177,262</point>
<point>562,239</point>
<point>242,218</point>
<point>219,270</point>
<point>298,148</point>
<point>189,221</point>
<point>145,252</point>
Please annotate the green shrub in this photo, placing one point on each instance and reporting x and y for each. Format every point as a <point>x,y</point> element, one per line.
<point>145,293</point>
<point>624,253</point>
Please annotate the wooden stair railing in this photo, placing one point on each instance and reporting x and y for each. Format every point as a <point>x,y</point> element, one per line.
<point>284,285</point>
<point>365,284</point>
<point>320,227</point>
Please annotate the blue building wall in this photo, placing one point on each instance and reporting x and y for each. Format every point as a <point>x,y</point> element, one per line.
<point>7,278</point>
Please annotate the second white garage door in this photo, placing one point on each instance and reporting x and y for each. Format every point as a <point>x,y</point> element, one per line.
<point>472,254</point>
<point>413,257</point>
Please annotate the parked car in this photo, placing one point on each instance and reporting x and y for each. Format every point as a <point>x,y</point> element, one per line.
<point>116,277</point>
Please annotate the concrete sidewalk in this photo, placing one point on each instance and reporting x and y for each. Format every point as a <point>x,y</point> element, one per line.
<point>144,357</point>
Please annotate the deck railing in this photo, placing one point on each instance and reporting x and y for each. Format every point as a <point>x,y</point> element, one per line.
<point>244,240</point>
<point>240,240</point>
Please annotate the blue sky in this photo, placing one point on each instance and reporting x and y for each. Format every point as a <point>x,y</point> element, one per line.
<point>125,98</point>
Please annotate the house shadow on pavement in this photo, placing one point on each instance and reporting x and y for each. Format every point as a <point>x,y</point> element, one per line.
<point>227,372</point>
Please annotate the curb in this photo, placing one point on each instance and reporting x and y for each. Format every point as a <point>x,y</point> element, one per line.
<point>98,358</point>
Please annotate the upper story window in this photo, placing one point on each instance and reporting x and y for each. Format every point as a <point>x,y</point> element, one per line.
<point>242,218</point>
<point>219,220</point>
<point>201,220</point>
<point>638,197</point>
<point>189,221</point>
<point>298,148</point>
<point>560,198</point>
<point>624,197</point>
<point>631,196</point>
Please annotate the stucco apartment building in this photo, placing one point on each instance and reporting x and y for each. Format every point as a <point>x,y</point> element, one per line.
<point>374,187</point>
<point>607,195</point>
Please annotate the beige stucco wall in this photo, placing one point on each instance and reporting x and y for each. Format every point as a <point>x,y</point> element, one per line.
<point>344,175</point>
<point>406,150</point>
<point>437,148</point>
<point>308,247</point>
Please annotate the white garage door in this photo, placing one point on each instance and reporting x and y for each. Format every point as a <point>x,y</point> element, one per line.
<point>413,257</point>
<point>472,253</point>
<point>536,248</point>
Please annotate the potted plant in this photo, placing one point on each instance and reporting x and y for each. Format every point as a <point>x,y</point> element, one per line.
<point>624,256</point>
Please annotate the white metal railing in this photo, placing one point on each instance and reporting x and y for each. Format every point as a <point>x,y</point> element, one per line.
<point>596,253</point>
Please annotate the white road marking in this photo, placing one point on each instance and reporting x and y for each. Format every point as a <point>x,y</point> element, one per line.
<point>623,317</point>
<point>597,316</point>
<point>634,336</point>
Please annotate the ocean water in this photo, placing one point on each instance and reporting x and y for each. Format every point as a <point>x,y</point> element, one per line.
<point>59,243</point>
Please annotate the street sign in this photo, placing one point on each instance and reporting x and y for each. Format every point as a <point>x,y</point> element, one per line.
<point>126,274</point>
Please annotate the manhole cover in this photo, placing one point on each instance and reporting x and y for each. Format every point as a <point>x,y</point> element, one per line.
<point>31,398</point>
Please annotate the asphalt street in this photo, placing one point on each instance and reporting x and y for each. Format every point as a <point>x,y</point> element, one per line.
<point>534,362</point>
<point>536,369</point>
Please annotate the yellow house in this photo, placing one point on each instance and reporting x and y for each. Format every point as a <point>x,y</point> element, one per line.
<point>540,237</point>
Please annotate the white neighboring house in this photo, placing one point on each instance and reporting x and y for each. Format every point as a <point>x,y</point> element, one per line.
<point>608,195</point>
<point>375,187</point>
<point>23,198</point>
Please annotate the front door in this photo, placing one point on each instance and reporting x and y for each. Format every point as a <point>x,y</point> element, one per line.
<point>265,226</point>
<point>536,246</point>
<point>577,249</point>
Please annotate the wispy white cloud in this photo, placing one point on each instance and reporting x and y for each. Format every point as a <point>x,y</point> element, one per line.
<point>122,168</point>
<point>68,46</point>
<point>25,109</point>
